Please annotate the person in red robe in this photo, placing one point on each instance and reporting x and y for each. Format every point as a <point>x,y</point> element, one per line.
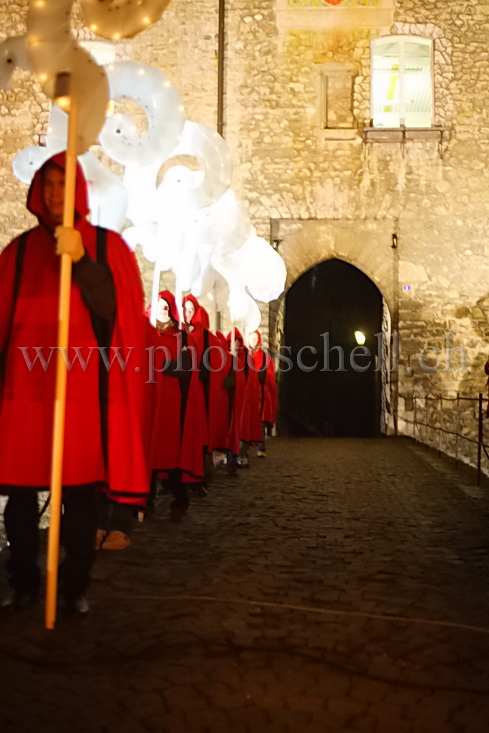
<point>251,428</point>
<point>192,324</point>
<point>104,446</point>
<point>176,451</point>
<point>213,370</point>
<point>264,367</point>
<point>223,437</point>
<point>235,382</point>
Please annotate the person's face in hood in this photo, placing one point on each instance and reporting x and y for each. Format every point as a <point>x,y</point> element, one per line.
<point>188,311</point>
<point>163,312</point>
<point>253,340</point>
<point>53,193</point>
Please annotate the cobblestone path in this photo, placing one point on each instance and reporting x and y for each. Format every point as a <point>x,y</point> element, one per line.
<point>337,585</point>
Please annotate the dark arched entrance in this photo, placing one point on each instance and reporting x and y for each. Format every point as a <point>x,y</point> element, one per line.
<point>333,387</point>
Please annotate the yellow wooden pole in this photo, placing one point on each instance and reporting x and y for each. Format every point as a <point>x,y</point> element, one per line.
<point>61,377</point>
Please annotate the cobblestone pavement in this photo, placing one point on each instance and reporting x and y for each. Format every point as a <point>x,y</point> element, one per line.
<point>337,585</point>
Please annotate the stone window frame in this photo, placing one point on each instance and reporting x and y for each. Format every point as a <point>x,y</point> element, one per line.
<point>402,38</point>
<point>325,71</point>
<point>442,73</point>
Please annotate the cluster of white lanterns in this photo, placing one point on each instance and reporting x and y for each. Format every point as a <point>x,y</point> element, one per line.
<point>190,222</point>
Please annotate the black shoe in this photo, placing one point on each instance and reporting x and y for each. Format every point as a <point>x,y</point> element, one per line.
<point>20,600</point>
<point>199,490</point>
<point>74,606</point>
<point>177,511</point>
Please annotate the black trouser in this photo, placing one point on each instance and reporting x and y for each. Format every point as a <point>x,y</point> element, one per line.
<point>78,530</point>
<point>244,449</point>
<point>112,516</point>
<point>178,489</point>
<point>261,446</point>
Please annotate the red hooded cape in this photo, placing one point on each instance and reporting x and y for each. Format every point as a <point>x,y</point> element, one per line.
<point>176,436</point>
<point>216,363</point>
<point>237,396</point>
<point>221,411</point>
<point>26,410</point>
<point>201,339</point>
<point>250,426</point>
<point>268,389</point>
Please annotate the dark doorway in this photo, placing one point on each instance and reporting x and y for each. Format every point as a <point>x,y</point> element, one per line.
<point>333,387</point>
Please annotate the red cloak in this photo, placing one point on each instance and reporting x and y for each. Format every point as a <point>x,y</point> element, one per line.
<point>26,411</point>
<point>176,437</point>
<point>237,396</point>
<point>263,363</point>
<point>216,362</point>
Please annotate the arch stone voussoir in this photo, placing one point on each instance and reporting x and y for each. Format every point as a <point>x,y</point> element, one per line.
<point>366,244</point>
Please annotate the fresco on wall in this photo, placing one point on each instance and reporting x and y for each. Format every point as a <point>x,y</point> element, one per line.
<point>331,3</point>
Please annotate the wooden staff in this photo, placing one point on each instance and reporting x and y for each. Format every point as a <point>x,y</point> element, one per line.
<point>155,292</point>
<point>214,310</point>
<point>61,375</point>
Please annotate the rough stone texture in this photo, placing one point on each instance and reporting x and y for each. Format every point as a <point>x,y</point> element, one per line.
<point>337,586</point>
<point>303,185</point>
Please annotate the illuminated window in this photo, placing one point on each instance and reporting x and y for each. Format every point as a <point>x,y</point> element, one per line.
<point>402,82</point>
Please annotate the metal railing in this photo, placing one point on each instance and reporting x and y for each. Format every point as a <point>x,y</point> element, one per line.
<point>451,425</point>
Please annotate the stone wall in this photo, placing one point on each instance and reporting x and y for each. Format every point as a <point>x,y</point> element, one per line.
<point>333,192</point>
<point>345,197</point>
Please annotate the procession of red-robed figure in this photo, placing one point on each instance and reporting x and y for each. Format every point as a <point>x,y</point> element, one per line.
<point>142,403</point>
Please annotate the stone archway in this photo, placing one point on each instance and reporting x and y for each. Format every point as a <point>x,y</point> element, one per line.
<point>333,386</point>
<point>369,246</point>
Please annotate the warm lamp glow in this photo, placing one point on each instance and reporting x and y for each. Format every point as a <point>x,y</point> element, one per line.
<point>63,102</point>
<point>360,338</point>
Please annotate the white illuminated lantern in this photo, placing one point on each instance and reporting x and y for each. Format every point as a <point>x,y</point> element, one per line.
<point>53,49</point>
<point>224,226</point>
<point>260,268</point>
<point>214,158</point>
<point>160,101</point>
<point>115,19</point>
<point>192,223</point>
<point>106,194</point>
<point>28,161</point>
<point>13,54</point>
<point>252,319</point>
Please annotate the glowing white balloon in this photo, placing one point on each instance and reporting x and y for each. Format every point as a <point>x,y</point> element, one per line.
<point>161,102</point>
<point>115,19</point>
<point>177,188</point>
<point>132,237</point>
<point>57,132</point>
<point>28,161</point>
<point>147,238</point>
<point>258,267</point>
<point>225,225</point>
<point>214,158</point>
<point>13,54</point>
<point>140,184</point>
<point>206,281</point>
<point>252,319</point>
<point>106,193</point>
<point>53,49</point>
